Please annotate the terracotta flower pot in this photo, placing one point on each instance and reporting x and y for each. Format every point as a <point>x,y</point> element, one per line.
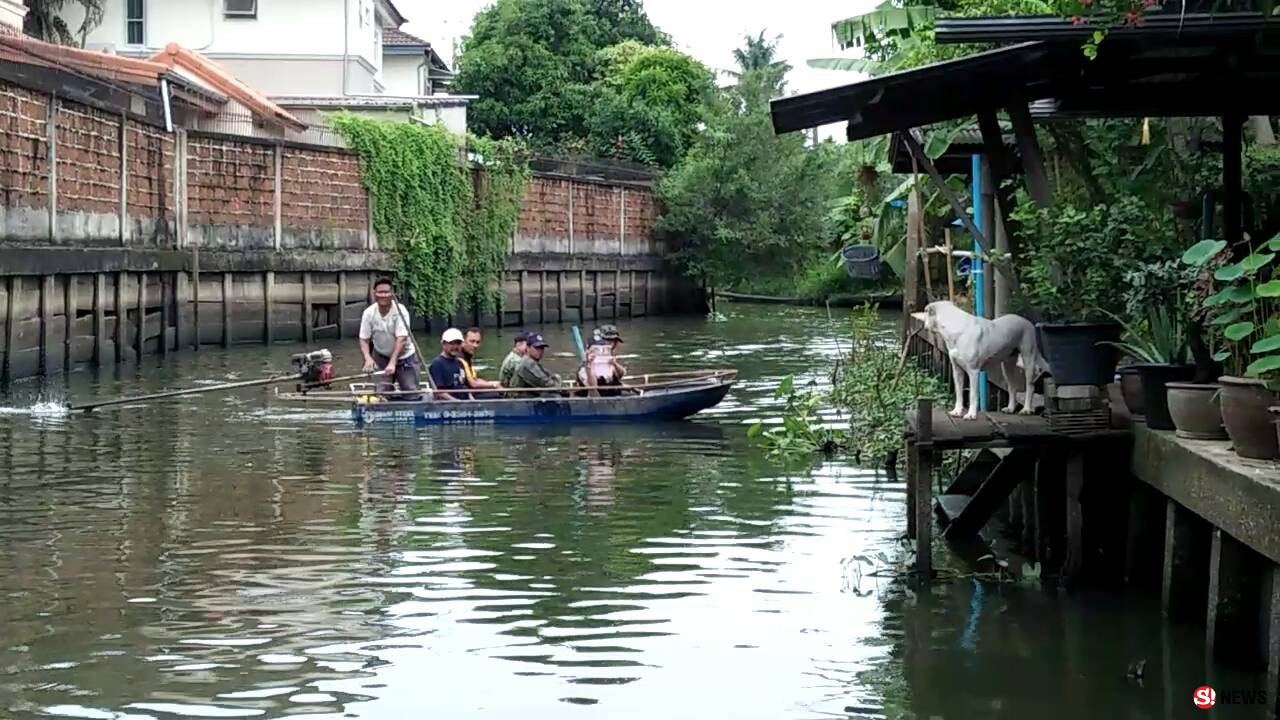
<point>1245,403</point>
<point>1195,410</point>
<point>1154,397</point>
<point>1131,391</point>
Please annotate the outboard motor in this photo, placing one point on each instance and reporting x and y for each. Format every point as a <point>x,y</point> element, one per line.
<point>315,369</point>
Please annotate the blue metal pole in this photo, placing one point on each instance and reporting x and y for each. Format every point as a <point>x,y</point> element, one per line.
<point>977,272</point>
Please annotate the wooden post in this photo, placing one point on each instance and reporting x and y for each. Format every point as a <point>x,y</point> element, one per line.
<point>195,297</point>
<point>278,194</point>
<point>560,295</point>
<point>595,288</point>
<point>949,261</point>
<point>166,299</point>
<point>1075,518</point>
<point>988,200</point>
<point>911,282</point>
<point>648,293</point>
<point>998,157</point>
<point>268,293</point>
<point>1185,586</point>
<point>1032,159</point>
<point>99,317</point>
<point>51,153</point>
<point>308,327</point>
<point>69,312</point>
<point>1004,281</point>
<point>342,304</point>
<point>923,481</point>
<point>122,149</point>
<point>918,155</point>
<point>631,294</point>
<point>226,309</point>
<point>582,296</point>
<point>617,293</point>
<point>542,297</point>
<point>122,316</point>
<point>140,340</point>
<point>520,281</point>
<point>46,323</point>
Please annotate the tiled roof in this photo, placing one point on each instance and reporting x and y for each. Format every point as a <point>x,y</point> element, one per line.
<point>207,71</point>
<point>30,51</point>
<point>395,37</point>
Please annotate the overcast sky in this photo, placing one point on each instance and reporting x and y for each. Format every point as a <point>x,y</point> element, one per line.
<point>709,30</point>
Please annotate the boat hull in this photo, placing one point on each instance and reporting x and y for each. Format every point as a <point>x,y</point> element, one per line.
<point>673,404</point>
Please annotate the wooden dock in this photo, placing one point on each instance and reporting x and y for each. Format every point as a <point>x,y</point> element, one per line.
<point>1022,445</point>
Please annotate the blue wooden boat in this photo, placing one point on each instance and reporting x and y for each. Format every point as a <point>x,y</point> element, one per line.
<point>665,396</point>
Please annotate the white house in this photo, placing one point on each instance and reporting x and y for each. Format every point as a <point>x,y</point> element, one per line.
<point>309,56</point>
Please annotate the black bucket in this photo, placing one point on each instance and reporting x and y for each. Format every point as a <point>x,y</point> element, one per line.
<point>1078,353</point>
<point>862,261</point>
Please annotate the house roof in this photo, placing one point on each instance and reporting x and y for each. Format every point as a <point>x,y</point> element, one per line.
<point>395,37</point>
<point>372,102</point>
<point>218,78</point>
<point>394,13</point>
<point>30,51</point>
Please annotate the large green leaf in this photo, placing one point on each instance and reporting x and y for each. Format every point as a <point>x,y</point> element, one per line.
<point>1240,295</point>
<point>1229,317</point>
<point>885,19</point>
<point>1221,355</point>
<point>1221,297</point>
<point>1265,345</point>
<point>1239,331</point>
<point>862,65</point>
<point>940,139</point>
<point>1257,261</point>
<point>1270,363</point>
<point>1269,289</point>
<point>1203,251</point>
<point>1228,273</point>
<point>1273,244</point>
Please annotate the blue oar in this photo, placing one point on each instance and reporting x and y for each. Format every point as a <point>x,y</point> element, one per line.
<point>577,344</point>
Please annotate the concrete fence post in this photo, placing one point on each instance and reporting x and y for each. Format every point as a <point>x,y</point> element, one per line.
<point>122,148</point>
<point>278,195</point>
<point>51,140</point>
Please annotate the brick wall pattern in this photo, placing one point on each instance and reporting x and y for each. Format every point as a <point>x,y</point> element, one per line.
<point>322,189</point>
<point>230,182</point>
<point>88,147</point>
<point>24,149</point>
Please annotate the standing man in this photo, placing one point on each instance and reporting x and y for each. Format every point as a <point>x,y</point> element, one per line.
<point>447,372</point>
<point>385,326</point>
<point>508,370</point>
<point>530,373</point>
<point>470,346</point>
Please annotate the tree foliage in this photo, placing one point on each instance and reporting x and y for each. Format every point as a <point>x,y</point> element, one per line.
<point>44,20</point>
<point>449,240</point>
<point>590,76</point>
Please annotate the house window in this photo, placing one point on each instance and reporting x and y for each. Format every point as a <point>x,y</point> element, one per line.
<point>133,23</point>
<point>240,8</point>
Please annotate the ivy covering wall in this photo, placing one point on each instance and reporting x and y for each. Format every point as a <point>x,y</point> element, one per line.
<point>446,209</point>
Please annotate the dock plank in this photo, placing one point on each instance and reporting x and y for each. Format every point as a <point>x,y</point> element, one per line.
<point>996,429</point>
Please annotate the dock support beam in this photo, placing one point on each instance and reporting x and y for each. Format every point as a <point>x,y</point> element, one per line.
<point>1233,622</point>
<point>922,449</point>
<point>1184,590</point>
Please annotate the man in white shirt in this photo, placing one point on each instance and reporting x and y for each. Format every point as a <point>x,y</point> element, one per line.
<point>385,326</point>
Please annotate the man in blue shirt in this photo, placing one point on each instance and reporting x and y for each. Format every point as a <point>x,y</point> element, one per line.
<point>447,371</point>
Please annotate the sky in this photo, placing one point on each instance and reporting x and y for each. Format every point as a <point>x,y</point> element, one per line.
<point>709,30</point>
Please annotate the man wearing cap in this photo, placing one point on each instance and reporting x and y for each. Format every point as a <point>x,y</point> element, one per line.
<point>447,373</point>
<point>385,326</point>
<point>530,373</point>
<point>508,370</point>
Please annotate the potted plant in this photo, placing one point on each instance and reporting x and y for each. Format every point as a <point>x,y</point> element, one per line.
<point>1246,319</point>
<point>1159,345</point>
<point>1074,263</point>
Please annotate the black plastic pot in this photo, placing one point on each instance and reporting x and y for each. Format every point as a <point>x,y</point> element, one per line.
<point>1078,353</point>
<point>1155,399</point>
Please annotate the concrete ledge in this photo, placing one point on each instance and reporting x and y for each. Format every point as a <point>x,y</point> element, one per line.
<point>564,262</point>
<point>63,261</point>
<point>1240,496</point>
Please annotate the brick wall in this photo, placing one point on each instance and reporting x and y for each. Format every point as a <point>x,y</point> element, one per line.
<point>230,183</point>
<point>323,189</point>
<point>150,191</point>
<point>24,165</point>
<point>598,216</point>
<point>88,146</point>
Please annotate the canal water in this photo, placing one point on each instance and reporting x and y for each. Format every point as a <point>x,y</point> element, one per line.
<point>229,556</point>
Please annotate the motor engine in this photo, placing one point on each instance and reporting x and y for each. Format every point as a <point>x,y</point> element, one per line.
<point>315,369</point>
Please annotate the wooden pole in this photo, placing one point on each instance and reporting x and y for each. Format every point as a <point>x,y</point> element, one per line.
<point>924,487</point>
<point>122,316</point>
<point>226,310</point>
<point>69,312</point>
<point>46,323</point>
<point>139,341</point>
<point>308,327</point>
<point>1032,159</point>
<point>99,317</point>
<point>947,260</point>
<point>918,154</point>
<point>268,295</point>
<point>1075,516</point>
<point>13,289</point>
<point>195,297</point>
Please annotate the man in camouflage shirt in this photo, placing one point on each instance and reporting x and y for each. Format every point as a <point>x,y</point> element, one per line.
<point>508,371</point>
<point>530,373</point>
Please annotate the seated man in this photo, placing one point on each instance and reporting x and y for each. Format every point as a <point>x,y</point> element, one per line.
<point>447,373</point>
<point>530,373</point>
<point>602,367</point>
<point>470,346</point>
<point>512,361</point>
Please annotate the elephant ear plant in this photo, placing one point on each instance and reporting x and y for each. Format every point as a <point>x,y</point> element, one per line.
<point>1245,312</point>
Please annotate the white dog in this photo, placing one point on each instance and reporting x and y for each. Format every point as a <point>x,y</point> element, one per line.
<point>975,344</point>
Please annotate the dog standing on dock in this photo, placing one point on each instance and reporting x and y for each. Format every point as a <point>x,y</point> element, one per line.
<point>975,344</point>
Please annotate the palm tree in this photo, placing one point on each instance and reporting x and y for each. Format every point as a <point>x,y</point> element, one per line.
<point>757,57</point>
<point>44,21</point>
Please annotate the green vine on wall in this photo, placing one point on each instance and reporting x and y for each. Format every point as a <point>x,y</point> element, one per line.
<point>448,225</point>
